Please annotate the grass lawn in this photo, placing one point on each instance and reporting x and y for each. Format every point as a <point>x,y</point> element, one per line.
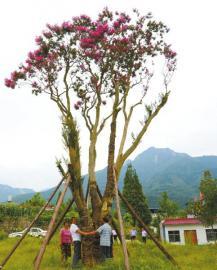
<point>142,256</point>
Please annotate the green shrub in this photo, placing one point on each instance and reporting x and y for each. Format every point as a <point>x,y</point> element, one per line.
<point>3,235</point>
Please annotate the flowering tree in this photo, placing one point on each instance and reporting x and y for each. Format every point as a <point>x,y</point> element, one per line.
<point>101,68</point>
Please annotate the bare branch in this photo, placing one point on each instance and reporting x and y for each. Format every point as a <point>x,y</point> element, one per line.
<point>137,140</point>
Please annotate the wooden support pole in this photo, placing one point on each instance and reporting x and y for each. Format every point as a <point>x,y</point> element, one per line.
<point>32,223</point>
<point>123,240</point>
<point>51,225</point>
<point>114,225</point>
<point>61,219</point>
<point>136,216</point>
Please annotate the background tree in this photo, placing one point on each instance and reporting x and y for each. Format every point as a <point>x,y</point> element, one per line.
<point>205,208</point>
<point>168,208</point>
<point>208,200</point>
<point>133,192</point>
<point>36,201</point>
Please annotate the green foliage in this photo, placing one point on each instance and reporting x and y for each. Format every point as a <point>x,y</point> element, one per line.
<point>156,223</point>
<point>36,201</point>
<point>193,208</point>
<point>127,218</point>
<point>168,208</point>
<point>3,235</point>
<point>13,210</point>
<point>133,192</point>
<point>14,217</point>
<point>208,205</point>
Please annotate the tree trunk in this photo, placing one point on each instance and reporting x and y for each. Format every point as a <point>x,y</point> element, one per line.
<point>90,244</point>
<point>95,200</point>
<point>110,184</point>
<point>91,254</point>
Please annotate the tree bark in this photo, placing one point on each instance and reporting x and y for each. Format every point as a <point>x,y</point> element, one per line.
<point>95,200</point>
<point>110,184</point>
<point>90,244</point>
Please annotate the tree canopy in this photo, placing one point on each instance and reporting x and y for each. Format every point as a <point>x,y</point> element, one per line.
<point>168,208</point>
<point>208,199</point>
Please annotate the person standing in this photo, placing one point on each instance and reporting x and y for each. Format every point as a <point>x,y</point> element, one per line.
<point>105,232</point>
<point>144,235</point>
<point>114,233</point>
<point>65,241</point>
<point>133,234</point>
<point>76,236</point>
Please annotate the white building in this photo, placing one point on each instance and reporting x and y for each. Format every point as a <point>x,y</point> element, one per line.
<point>187,231</point>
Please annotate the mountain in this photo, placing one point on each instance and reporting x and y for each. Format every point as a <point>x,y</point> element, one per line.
<point>7,192</point>
<point>45,194</point>
<point>161,169</point>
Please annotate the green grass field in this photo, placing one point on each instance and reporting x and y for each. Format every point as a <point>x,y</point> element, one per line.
<point>142,256</point>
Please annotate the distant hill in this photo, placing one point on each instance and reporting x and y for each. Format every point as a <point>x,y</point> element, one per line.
<point>45,194</point>
<point>10,192</point>
<point>161,169</point>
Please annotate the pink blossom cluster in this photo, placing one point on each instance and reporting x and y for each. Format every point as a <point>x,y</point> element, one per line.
<point>106,37</point>
<point>35,56</point>
<point>36,59</point>
<point>39,57</point>
<point>77,105</point>
<point>94,36</point>
<point>83,18</point>
<point>15,76</point>
<point>81,28</point>
<point>111,31</point>
<point>124,40</point>
<point>34,84</point>
<point>123,19</point>
<point>94,54</point>
<point>38,40</point>
<point>47,34</point>
<point>121,45</point>
<point>87,43</point>
<point>54,28</point>
<point>168,53</point>
<point>67,26</point>
<point>100,30</point>
<point>10,83</point>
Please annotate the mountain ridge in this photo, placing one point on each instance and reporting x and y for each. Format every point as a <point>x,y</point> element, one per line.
<point>8,192</point>
<point>161,169</point>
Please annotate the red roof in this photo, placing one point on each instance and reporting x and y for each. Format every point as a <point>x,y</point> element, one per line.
<point>181,221</point>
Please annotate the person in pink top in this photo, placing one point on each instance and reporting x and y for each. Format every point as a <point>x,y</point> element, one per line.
<point>65,241</point>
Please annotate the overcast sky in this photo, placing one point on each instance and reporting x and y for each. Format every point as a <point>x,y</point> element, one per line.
<point>30,133</point>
